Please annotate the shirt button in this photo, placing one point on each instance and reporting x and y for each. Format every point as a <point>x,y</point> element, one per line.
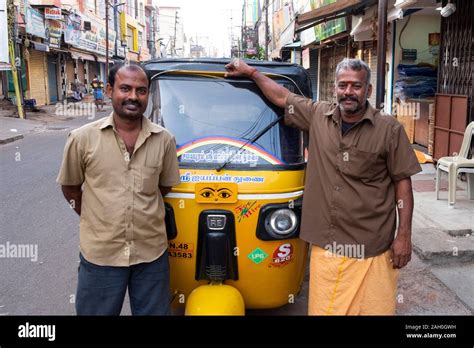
<point>336,188</point>
<point>129,207</point>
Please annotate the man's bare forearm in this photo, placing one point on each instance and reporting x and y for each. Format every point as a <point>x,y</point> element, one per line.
<point>275,93</point>
<point>401,246</point>
<point>73,195</point>
<point>404,197</point>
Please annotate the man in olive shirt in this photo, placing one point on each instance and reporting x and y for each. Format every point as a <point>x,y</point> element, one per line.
<point>114,174</point>
<point>358,176</point>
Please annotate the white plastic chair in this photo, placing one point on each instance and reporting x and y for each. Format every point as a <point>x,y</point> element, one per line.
<point>458,164</point>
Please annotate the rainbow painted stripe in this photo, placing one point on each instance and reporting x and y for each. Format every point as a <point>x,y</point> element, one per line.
<point>228,141</point>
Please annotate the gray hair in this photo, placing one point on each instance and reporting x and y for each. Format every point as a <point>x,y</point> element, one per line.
<point>354,64</point>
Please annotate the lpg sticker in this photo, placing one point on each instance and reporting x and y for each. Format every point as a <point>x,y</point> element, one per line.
<point>282,256</point>
<point>182,250</point>
<point>245,210</point>
<point>257,256</point>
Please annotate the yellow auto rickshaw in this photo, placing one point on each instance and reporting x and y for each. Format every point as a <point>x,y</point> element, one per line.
<point>233,222</point>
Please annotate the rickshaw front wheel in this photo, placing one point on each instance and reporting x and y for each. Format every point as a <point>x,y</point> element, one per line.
<point>215,299</point>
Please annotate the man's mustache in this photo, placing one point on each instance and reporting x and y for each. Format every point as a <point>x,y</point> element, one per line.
<point>348,98</point>
<point>131,102</point>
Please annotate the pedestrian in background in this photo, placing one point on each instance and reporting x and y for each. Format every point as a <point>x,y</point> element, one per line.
<point>98,91</point>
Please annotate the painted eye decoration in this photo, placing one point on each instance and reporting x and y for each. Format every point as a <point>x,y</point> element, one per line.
<point>224,193</point>
<point>207,192</point>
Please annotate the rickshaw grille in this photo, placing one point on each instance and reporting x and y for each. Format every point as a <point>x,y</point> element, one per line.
<point>215,259</point>
<point>216,272</point>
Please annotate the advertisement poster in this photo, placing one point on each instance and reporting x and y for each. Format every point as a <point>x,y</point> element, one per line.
<point>72,30</point>
<point>35,23</point>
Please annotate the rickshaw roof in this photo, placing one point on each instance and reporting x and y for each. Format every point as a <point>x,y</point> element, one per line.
<point>293,71</point>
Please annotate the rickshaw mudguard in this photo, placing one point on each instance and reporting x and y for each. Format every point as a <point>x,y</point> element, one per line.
<point>215,299</point>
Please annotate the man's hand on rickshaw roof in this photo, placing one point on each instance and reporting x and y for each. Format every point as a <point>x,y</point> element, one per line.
<point>238,68</point>
<point>274,92</point>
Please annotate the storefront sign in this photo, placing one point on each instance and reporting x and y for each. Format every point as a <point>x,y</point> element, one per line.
<point>72,30</point>
<point>101,38</point>
<point>52,13</point>
<point>88,40</point>
<point>54,29</point>
<point>325,30</point>
<point>35,23</point>
<point>92,40</point>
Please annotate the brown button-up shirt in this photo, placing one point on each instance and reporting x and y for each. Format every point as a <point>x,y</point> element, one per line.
<point>122,211</point>
<point>349,197</point>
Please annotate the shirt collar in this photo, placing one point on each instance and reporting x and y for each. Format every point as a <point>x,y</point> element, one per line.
<point>335,113</point>
<point>148,127</point>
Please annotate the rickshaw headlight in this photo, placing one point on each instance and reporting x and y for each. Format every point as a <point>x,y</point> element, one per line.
<point>281,222</point>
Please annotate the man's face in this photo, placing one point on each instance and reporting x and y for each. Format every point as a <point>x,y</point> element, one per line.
<point>352,90</point>
<point>130,93</point>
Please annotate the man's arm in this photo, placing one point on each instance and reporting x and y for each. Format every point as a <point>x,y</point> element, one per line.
<point>165,190</point>
<point>73,195</point>
<point>274,92</point>
<point>401,246</point>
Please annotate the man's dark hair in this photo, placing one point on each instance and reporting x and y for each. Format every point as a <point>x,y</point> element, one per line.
<point>131,65</point>
<point>356,65</point>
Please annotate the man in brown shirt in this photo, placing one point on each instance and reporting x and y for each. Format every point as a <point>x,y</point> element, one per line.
<point>114,174</point>
<point>358,176</point>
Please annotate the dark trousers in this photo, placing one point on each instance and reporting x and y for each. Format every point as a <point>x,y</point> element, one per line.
<point>101,289</point>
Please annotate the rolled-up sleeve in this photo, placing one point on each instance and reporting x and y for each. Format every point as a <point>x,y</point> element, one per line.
<point>72,167</point>
<point>170,173</point>
<point>401,159</point>
<point>299,111</point>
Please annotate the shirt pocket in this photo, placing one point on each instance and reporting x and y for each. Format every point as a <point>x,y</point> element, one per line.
<point>149,180</point>
<point>358,164</point>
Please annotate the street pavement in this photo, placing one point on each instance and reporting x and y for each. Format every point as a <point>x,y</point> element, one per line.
<point>438,281</point>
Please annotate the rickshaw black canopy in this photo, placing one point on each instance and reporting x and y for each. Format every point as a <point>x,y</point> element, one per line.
<point>292,71</point>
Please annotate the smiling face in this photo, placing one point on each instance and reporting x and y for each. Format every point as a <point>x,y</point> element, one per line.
<point>129,93</point>
<point>352,91</point>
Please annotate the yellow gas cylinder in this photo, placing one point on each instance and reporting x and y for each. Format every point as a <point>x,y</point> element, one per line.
<point>215,299</point>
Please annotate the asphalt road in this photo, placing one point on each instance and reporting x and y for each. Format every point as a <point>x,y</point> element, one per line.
<point>34,212</point>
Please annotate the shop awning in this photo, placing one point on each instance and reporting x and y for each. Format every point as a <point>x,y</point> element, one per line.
<point>338,9</point>
<point>292,45</point>
<point>362,26</point>
<point>82,55</point>
<point>40,46</point>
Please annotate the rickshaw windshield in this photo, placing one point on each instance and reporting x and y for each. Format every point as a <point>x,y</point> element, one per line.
<point>212,119</point>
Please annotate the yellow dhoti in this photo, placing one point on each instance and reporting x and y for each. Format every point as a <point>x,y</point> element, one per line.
<point>340,285</point>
